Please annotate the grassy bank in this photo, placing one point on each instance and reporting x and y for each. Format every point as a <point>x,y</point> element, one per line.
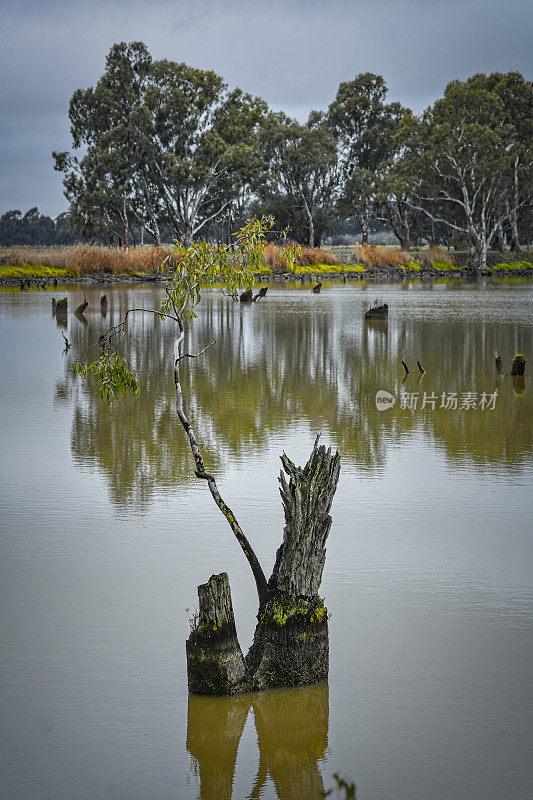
<point>80,260</point>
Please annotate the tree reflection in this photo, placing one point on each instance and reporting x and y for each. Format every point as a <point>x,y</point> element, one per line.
<point>292,737</point>
<point>274,365</point>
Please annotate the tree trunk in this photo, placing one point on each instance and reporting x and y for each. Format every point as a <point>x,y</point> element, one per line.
<point>364,223</point>
<point>515,242</point>
<point>215,664</point>
<point>291,646</point>
<point>499,238</point>
<point>311,240</point>
<point>125,222</point>
<point>479,260</point>
<point>187,235</point>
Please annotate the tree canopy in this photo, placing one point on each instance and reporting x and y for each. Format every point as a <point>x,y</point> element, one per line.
<point>172,151</point>
<point>472,163</point>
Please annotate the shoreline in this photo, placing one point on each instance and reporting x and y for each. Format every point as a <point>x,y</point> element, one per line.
<point>57,278</point>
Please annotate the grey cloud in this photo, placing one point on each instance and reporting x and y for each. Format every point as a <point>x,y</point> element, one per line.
<point>293,54</point>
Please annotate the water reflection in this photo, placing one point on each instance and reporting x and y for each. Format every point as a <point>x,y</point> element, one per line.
<point>296,360</point>
<point>292,737</point>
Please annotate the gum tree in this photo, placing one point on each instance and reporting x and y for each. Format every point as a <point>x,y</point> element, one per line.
<point>363,125</point>
<point>291,639</point>
<point>467,158</point>
<point>160,140</point>
<point>302,170</point>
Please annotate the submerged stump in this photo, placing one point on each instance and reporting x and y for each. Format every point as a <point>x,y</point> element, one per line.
<point>215,664</point>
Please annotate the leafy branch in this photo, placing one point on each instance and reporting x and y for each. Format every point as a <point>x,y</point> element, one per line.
<point>113,375</point>
<point>200,264</point>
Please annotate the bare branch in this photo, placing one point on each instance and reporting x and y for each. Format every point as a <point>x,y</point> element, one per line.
<point>195,355</point>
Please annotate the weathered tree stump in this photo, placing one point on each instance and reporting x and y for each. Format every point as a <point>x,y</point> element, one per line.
<point>261,293</point>
<point>247,296</point>
<point>378,312</point>
<point>291,645</point>
<point>60,309</point>
<point>519,364</point>
<point>499,363</point>
<point>82,306</point>
<point>316,289</point>
<point>215,664</point>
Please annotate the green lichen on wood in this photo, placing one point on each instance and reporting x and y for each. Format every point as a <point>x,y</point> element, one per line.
<point>286,608</point>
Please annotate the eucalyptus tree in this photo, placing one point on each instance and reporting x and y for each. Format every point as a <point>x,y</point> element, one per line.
<point>301,169</point>
<point>516,95</point>
<point>170,142</point>
<point>364,126</point>
<point>465,154</point>
<point>291,644</point>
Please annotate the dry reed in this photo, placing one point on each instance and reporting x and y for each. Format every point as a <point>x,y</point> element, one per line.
<point>274,257</point>
<point>83,258</point>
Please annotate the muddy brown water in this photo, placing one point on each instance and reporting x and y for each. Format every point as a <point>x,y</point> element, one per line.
<point>105,534</point>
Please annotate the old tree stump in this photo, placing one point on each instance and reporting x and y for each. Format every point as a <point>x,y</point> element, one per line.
<point>290,646</point>
<point>215,664</point>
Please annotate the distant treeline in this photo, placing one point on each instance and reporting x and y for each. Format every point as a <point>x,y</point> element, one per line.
<point>33,228</point>
<point>169,150</point>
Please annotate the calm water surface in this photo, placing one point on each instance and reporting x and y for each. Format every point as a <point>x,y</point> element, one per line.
<point>105,534</point>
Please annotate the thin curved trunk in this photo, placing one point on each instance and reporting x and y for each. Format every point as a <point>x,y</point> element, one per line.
<point>259,575</point>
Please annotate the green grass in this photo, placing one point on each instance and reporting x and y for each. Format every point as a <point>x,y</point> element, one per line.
<point>512,265</point>
<point>444,266</point>
<point>35,271</point>
<point>325,269</point>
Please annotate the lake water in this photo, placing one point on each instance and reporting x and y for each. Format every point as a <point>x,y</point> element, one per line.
<point>106,533</point>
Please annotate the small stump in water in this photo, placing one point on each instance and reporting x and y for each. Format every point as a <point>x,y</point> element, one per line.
<point>215,664</point>
<point>378,312</point>
<point>519,365</point>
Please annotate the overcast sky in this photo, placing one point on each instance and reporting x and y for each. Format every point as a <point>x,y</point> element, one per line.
<point>293,53</point>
